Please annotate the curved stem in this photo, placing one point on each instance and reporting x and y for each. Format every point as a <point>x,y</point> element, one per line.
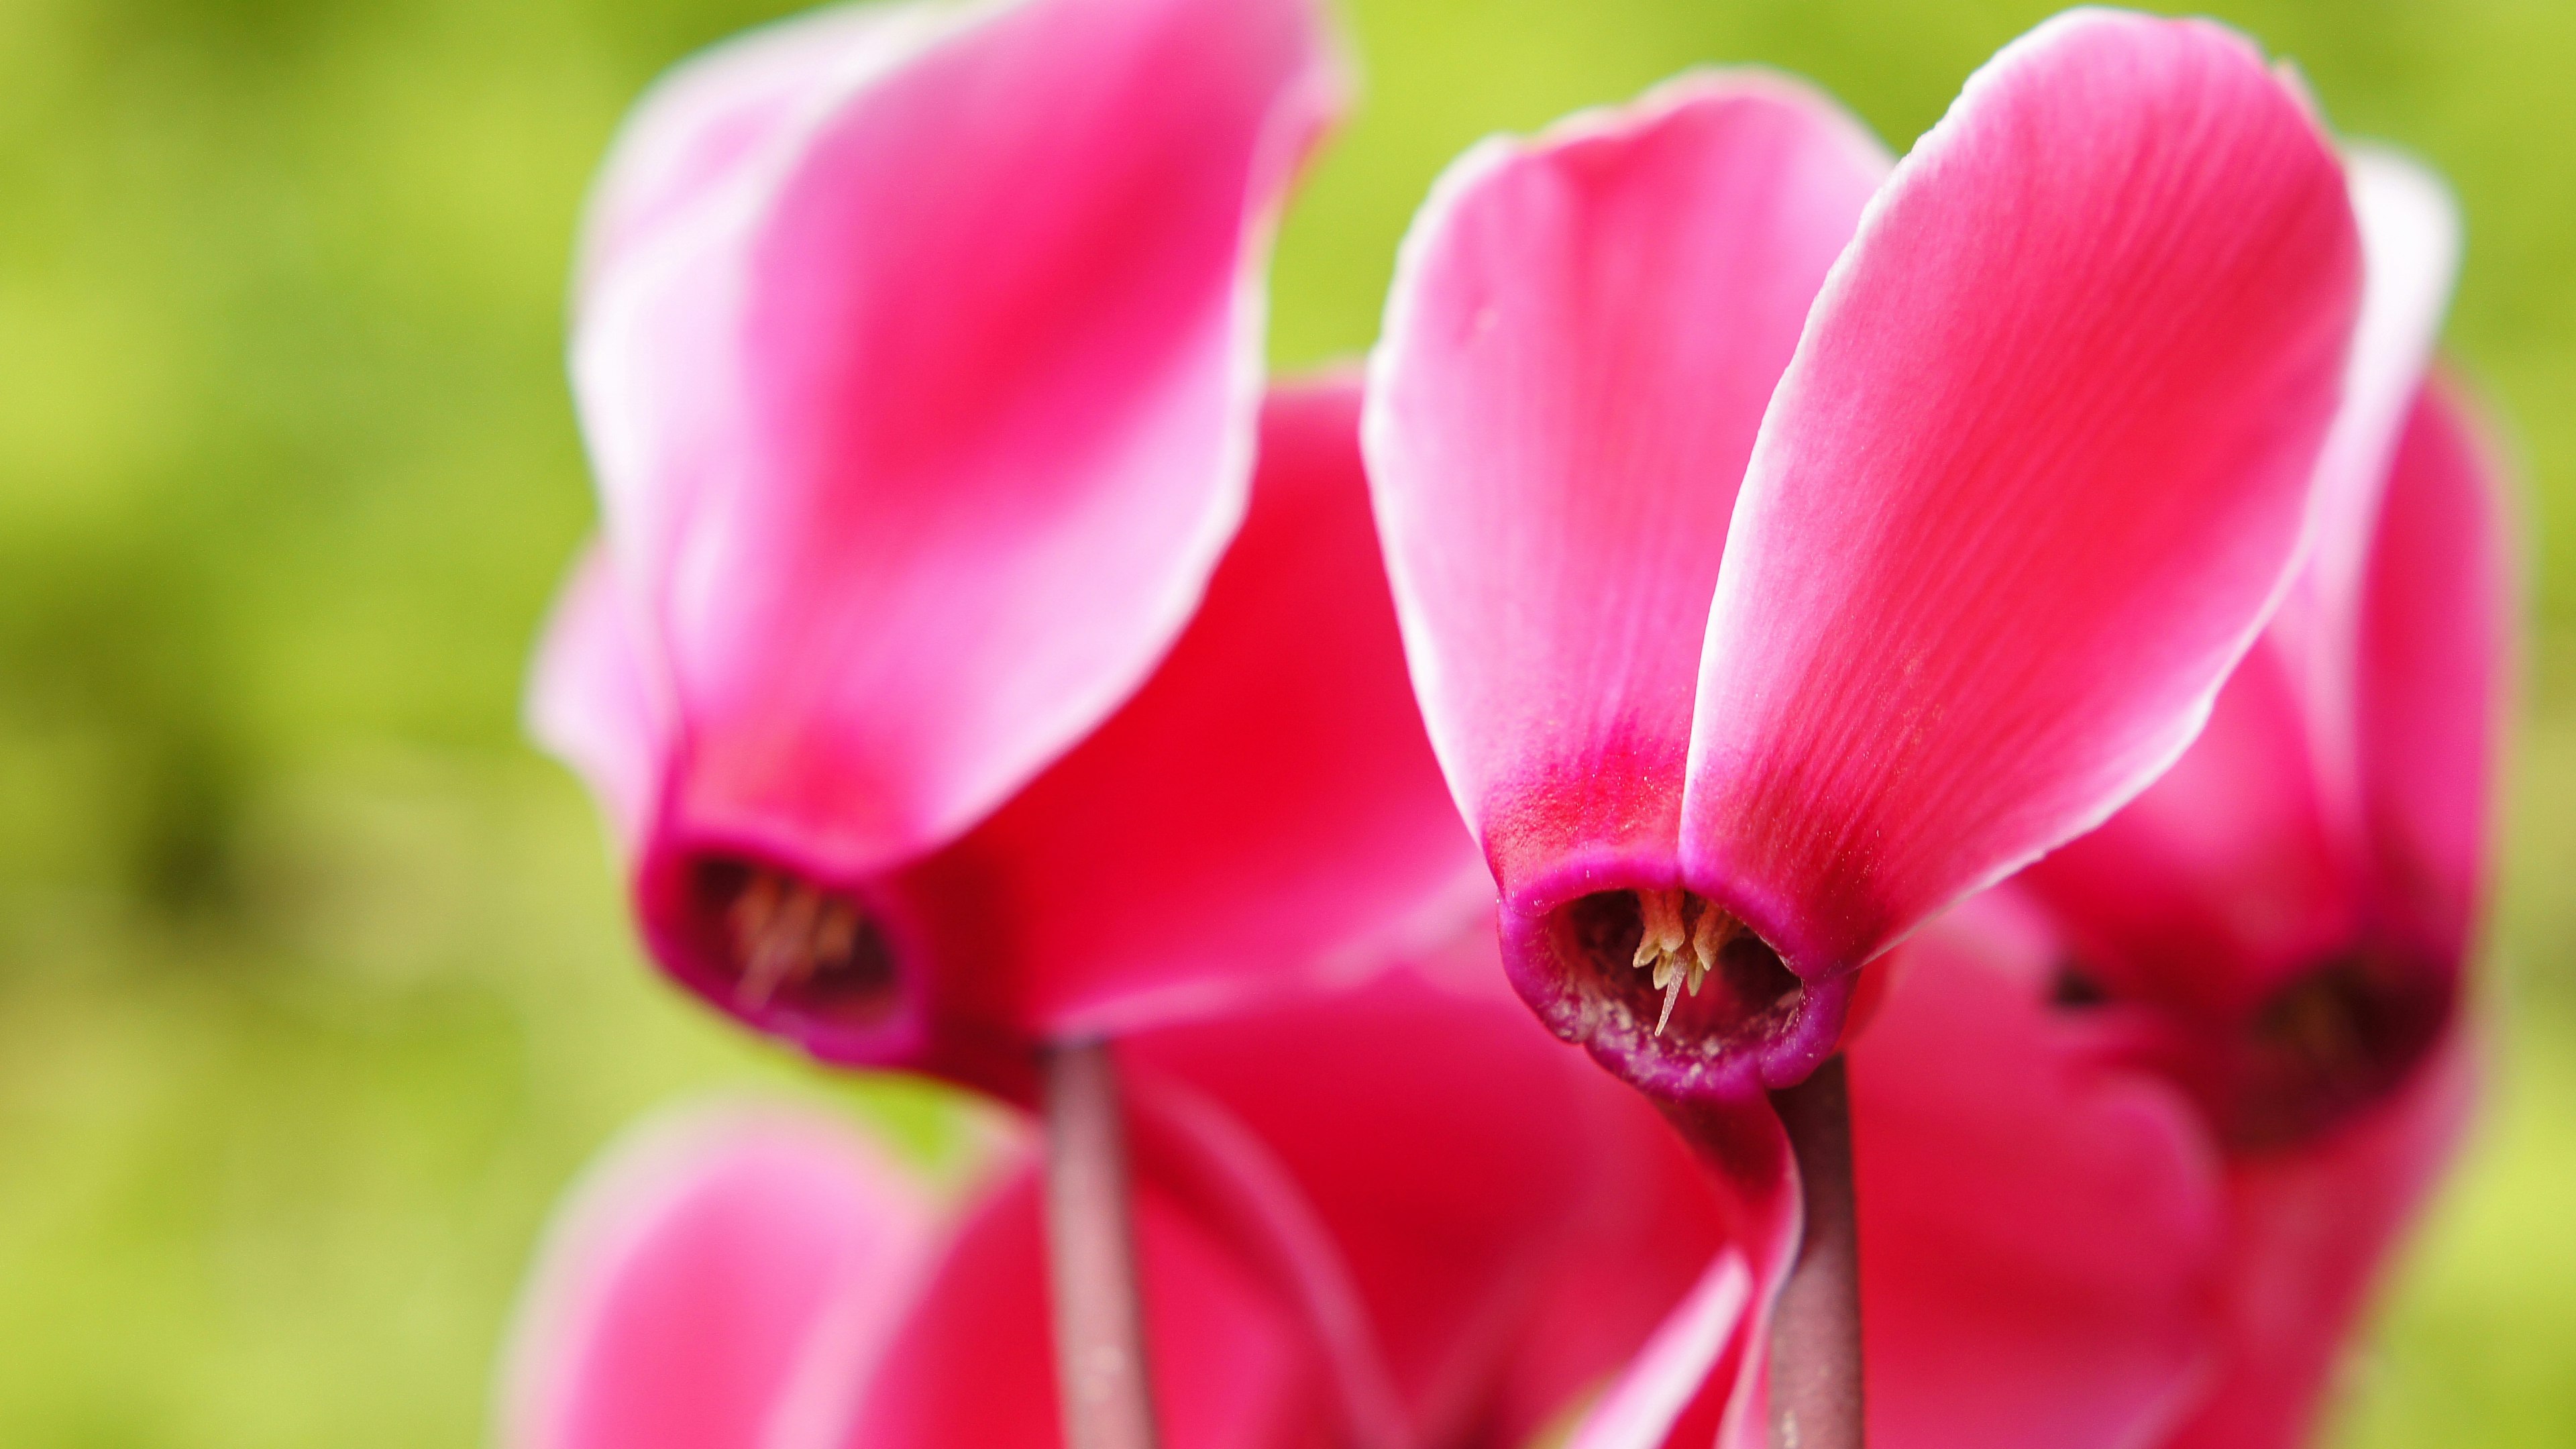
<point>1816,1381</point>
<point>1101,1369</point>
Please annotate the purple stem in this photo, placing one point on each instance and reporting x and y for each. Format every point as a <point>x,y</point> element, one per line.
<point>1816,1388</point>
<point>1100,1366</point>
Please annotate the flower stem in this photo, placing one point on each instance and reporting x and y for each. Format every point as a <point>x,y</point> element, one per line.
<point>1816,1382</point>
<point>1101,1370</point>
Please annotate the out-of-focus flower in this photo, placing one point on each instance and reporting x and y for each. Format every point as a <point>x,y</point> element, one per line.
<point>1784,553</point>
<point>937,700</point>
<point>1262,816</point>
<point>2281,927</point>
<point>1342,1242</point>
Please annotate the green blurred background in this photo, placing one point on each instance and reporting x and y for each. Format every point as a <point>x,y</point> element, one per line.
<point>313,985</point>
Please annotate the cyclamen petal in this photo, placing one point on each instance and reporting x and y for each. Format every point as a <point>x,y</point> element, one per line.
<point>2028,490</point>
<point>1583,334</point>
<point>721,1280</point>
<point>919,361</point>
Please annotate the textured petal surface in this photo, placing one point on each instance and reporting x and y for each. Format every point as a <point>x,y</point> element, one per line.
<point>725,1281</point>
<point>2041,1239</point>
<point>921,428</point>
<point>1583,333</point>
<point>1264,815</point>
<point>2037,470</point>
<point>2437,643</point>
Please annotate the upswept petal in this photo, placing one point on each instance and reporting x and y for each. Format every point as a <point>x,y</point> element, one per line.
<point>2037,471</point>
<point>724,1281</point>
<point>1265,815</point>
<point>923,427</point>
<point>2041,1239</point>
<point>1582,335</point>
<point>2436,654</point>
<point>591,701</point>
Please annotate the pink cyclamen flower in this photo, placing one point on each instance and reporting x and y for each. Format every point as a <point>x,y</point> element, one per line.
<point>2281,927</point>
<point>942,691</point>
<point>1788,546</point>
<point>1261,816</point>
<point>1342,1244</point>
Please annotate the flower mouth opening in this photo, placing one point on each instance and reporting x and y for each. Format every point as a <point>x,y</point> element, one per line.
<point>1680,962</point>
<point>2327,1045</point>
<point>787,944</point>
<point>2335,1040</point>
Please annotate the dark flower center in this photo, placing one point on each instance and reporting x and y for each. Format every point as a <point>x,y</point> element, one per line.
<point>2327,1044</point>
<point>1679,961</point>
<point>2330,1043</point>
<point>791,943</point>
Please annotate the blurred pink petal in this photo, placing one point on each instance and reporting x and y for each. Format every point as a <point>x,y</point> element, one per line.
<point>1264,814</point>
<point>724,1279</point>
<point>2281,927</point>
<point>971,338</point>
<point>2041,1239</point>
<point>592,702</point>
<point>973,1367</point>
<point>2030,486</point>
<point>1489,1268</point>
<point>1678,1389</point>
<point>2410,241</point>
<point>2311,1232</point>
<point>1582,339</point>
<point>1502,1260</point>
<point>705,129</point>
<point>2226,877</point>
<point>2435,653</point>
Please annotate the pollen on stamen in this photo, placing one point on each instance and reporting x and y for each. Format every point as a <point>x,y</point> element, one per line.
<point>1673,921</point>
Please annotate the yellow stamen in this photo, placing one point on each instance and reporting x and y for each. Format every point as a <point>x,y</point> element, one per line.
<point>1664,935</point>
